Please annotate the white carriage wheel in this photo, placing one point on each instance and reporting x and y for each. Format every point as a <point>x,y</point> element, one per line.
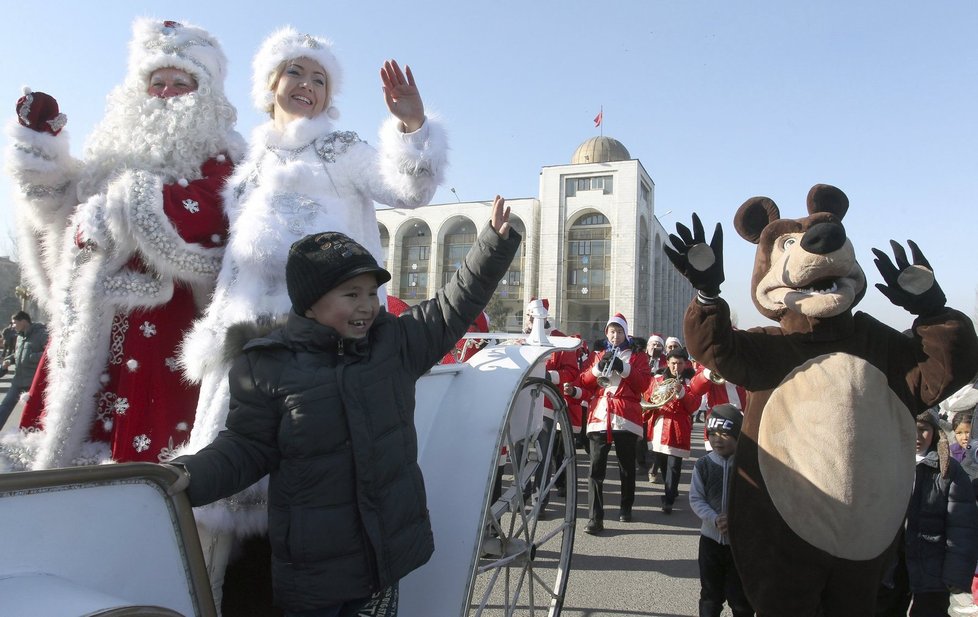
<point>524,559</point>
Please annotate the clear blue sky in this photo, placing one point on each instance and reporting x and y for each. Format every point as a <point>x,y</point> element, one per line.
<point>719,100</point>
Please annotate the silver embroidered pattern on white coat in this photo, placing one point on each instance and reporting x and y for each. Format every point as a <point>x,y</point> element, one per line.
<point>307,179</point>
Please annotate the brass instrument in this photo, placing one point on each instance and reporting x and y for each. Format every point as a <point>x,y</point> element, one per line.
<point>604,379</point>
<point>716,378</point>
<point>665,392</point>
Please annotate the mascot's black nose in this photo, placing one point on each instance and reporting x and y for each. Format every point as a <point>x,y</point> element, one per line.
<point>823,238</point>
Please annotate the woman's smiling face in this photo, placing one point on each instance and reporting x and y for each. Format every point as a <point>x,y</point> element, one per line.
<point>300,91</point>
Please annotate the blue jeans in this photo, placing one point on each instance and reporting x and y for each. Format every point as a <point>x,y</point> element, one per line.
<point>381,604</point>
<point>9,402</point>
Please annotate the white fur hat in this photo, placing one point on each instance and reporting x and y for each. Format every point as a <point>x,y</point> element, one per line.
<point>673,341</point>
<point>159,44</point>
<point>287,44</point>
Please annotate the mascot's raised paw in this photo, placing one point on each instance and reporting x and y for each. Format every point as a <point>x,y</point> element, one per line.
<point>699,262</point>
<point>910,285</point>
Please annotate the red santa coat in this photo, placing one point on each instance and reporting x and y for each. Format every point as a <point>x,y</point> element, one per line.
<point>617,407</point>
<point>716,394</point>
<point>671,427</point>
<point>577,403</point>
<point>561,368</point>
<point>142,408</point>
<point>580,398</point>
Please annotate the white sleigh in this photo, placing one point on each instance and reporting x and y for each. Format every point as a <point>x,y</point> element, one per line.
<point>107,541</point>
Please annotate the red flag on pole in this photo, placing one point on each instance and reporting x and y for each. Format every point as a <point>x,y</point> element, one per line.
<point>598,118</point>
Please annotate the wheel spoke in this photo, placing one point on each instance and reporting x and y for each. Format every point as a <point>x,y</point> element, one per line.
<point>514,574</point>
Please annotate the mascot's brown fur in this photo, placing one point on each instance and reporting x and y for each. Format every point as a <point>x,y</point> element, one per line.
<point>826,454</point>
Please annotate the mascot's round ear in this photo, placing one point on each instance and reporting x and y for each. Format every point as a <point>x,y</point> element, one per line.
<point>827,198</point>
<point>753,216</point>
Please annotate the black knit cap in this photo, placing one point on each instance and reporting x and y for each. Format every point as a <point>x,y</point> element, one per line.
<point>320,262</point>
<point>725,417</point>
<point>678,352</point>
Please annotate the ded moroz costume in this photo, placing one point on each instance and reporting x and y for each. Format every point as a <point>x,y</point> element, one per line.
<point>121,249</point>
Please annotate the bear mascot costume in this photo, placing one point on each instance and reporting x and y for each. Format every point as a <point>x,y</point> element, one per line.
<point>825,462</point>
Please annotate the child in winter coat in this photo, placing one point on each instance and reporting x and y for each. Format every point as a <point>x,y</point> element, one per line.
<point>940,545</point>
<point>708,495</point>
<point>325,405</point>
<point>961,427</point>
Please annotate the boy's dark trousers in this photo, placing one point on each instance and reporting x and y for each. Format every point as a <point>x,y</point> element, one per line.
<point>719,581</point>
<point>625,451</point>
<point>671,467</point>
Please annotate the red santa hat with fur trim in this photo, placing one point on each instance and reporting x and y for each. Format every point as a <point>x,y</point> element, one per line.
<point>158,44</point>
<point>287,44</point>
<point>618,319</point>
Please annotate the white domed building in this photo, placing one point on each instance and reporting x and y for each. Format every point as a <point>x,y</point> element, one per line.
<point>592,246</point>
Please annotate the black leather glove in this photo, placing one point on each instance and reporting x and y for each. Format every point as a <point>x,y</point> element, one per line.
<point>617,365</point>
<point>911,286</point>
<point>605,360</point>
<point>700,263</point>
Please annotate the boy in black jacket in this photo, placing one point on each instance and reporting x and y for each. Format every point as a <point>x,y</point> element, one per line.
<point>325,406</point>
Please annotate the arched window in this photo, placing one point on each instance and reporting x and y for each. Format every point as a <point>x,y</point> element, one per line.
<point>415,262</point>
<point>588,275</point>
<point>644,267</point>
<point>385,246</point>
<point>506,309</point>
<point>589,258</point>
<point>511,285</point>
<point>459,239</point>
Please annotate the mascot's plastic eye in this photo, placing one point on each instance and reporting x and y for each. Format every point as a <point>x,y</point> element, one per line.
<point>788,243</point>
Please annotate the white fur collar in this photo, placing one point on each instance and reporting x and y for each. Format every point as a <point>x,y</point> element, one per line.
<point>297,133</point>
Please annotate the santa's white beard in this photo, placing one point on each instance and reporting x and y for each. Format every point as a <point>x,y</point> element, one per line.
<point>172,137</point>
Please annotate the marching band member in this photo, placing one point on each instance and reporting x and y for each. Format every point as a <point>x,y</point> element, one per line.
<point>618,379</point>
<point>716,390</point>
<point>671,426</point>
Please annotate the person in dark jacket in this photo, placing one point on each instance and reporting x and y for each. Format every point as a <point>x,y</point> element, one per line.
<point>709,494</point>
<point>325,405</point>
<point>31,339</point>
<point>940,546</point>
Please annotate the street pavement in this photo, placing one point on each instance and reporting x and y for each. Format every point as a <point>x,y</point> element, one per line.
<point>14,418</point>
<point>644,568</point>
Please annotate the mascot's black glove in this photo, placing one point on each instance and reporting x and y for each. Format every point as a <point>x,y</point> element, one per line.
<point>699,262</point>
<point>911,286</point>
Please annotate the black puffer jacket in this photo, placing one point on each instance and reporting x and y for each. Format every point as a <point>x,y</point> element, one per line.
<point>332,421</point>
<point>942,527</point>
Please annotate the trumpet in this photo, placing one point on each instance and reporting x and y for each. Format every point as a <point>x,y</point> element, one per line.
<point>604,379</point>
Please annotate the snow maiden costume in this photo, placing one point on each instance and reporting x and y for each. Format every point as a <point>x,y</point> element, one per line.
<point>301,180</point>
<point>122,249</point>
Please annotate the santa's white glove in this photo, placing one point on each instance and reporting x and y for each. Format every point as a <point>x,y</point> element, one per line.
<point>962,604</point>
